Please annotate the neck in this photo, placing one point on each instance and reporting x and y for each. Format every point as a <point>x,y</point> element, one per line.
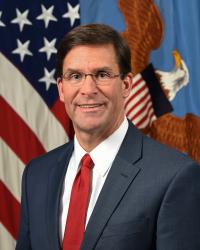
<point>88,140</point>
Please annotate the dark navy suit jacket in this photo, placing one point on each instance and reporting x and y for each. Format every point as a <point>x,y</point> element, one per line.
<point>150,200</point>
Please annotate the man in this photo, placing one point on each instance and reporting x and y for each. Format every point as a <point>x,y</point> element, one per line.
<point>111,187</point>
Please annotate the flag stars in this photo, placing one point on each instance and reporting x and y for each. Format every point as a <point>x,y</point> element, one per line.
<point>21,19</point>
<point>48,78</point>
<point>22,49</point>
<point>1,23</point>
<point>49,48</point>
<point>72,13</point>
<point>47,15</point>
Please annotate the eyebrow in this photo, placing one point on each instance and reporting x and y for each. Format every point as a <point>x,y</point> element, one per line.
<point>70,70</point>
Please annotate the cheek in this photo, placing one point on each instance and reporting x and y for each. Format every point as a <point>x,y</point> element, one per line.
<point>68,95</point>
<point>117,100</point>
<point>114,95</point>
<point>68,100</point>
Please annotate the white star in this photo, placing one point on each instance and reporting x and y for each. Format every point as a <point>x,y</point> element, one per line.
<point>72,13</point>
<point>1,23</point>
<point>49,47</point>
<point>22,49</point>
<point>48,78</point>
<point>47,15</point>
<point>21,19</point>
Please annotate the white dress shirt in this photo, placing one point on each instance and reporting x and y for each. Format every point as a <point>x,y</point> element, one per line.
<point>103,156</point>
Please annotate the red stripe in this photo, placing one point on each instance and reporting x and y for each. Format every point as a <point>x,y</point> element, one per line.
<point>148,115</point>
<point>140,123</point>
<point>138,103</point>
<point>58,110</point>
<point>132,96</point>
<point>9,211</point>
<point>141,110</point>
<point>18,135</point>
<point>137,82</point>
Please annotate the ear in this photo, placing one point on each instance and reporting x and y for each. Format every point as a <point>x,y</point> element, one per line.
<point>60,89</point>
<point>127,83</point>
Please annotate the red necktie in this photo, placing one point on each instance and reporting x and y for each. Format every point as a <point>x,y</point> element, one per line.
<point>75,225</point>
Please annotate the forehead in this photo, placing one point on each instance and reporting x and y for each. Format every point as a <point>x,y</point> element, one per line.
<point>90,57</point>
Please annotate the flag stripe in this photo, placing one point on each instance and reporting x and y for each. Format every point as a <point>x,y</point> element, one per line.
<point>138,103</point>
<point>142,112</point>
<point>145,115</point>
<point>9,210</point>
<point>59,111</point>
<point>7,242</point>
<point>136,85</point>
<point>22,134</point>
<point>148,118</point>
<point>138,111</point>
<point>135,94</point>
<point>136,79</point>
<point>11,173</point>
<point>22,98</point>
<point>137,98</point>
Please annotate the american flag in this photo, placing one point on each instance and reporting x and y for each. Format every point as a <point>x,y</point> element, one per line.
<point>147,101</point>
<point>139,106</point>
<point>33,120</point>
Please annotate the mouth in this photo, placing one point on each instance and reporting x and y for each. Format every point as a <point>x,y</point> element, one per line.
<point>93,108</point>
<point>90,106</point>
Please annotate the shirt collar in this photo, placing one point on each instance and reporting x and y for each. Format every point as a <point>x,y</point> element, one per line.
<point>104,153</point>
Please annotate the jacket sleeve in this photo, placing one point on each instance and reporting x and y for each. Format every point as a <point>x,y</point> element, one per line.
<point>178,224</point>
<point>23,242</point>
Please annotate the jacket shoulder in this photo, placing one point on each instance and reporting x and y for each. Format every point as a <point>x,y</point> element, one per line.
<point>51,158</point>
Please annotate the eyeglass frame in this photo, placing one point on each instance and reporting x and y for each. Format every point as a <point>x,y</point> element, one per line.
<point>93,76</point>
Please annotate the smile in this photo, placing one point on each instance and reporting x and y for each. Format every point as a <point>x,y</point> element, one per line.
<point>90,105</point>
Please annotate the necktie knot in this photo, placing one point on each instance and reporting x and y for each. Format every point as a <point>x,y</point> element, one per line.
<point>87,161</point>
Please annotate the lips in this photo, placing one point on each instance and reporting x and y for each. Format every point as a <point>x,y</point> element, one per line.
<point>96,105</point>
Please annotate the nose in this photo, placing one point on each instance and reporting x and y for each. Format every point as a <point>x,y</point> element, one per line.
<point>88,86</point>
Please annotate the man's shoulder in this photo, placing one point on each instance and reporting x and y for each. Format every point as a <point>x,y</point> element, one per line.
<point>51,158</point>
<point>160,155</point>
<point>165,161</point>
<point>160,151</point>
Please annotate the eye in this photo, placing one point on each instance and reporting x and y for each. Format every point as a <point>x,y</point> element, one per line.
<point>73,76</point>
<point>102,75</point>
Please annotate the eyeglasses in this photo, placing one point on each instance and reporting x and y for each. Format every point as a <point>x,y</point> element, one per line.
<point>100,77</point>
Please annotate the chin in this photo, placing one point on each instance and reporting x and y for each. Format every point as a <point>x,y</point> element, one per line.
<point>89,128</point>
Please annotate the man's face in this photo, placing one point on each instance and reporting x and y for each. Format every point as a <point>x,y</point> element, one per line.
<point>94,109</point>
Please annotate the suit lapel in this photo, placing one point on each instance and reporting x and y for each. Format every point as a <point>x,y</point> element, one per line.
<point>121,175</point>
<point>55,183</point>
